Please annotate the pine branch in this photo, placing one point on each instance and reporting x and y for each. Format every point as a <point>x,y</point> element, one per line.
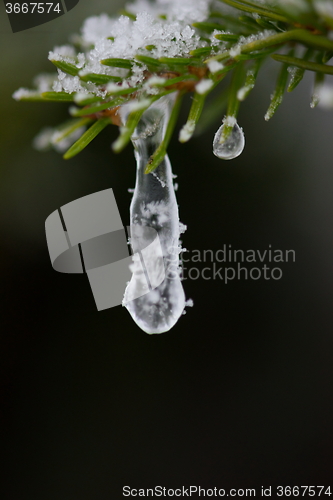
<point>220,43</point>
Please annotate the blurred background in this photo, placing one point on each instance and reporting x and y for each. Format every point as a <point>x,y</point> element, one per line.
<point>239,393</point>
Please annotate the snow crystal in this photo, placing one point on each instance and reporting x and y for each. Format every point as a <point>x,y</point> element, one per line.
<point>97,27</point>
<point>189,303</point>
<point>203,86</point>
<point>116,87</point>
<point>55,56</point>
<point>67,83</point>
<point>82,96</point>
<point>64,144</point>
<point>269,113</point>
<point>213,40</point>
<point>229,120</point>
<point>81,60</point>
<point>292,70</point>
<point>156,80</point>
<point>57,87</point>
<point>65,51</point>
<point>48,137</point>
<point>187,131</point>
<point>42,141</point>
<point>185,11</point>
<point>150,86</point>
<point>23,93</point>
<point>44,82</point>
<point>235,51</point>
<point>241,93</point>
<point>182,229</point>
<point>137,105</point>
<point>171,39</point>
<point>164,25</point>
<point>214,66</point>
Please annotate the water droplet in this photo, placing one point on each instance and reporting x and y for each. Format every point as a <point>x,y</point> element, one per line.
<point>154,205</point>
<point>232,146</point>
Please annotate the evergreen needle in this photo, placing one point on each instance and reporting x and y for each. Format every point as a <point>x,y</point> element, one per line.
<point>301,63</point>
<point>87,137</point>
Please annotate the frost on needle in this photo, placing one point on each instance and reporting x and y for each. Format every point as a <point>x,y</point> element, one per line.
<point>158,47</point>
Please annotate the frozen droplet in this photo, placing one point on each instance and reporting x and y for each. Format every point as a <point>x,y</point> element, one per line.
<point>233,145</point>
<point>154,205</point>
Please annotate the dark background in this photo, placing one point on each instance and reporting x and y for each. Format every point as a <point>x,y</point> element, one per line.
<point>239,393</point>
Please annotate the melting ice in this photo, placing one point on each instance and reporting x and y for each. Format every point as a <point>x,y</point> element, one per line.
<point>154,205</point>
<point>233,145</point>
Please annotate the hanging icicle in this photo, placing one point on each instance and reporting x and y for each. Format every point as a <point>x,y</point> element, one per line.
<point>154,205</point>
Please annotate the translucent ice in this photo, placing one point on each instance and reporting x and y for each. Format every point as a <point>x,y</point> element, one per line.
<point>233,145</point>
<point>154,205</point>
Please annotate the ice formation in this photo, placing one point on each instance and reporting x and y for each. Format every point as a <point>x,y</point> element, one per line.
<point>154,205</point>
<point>204,86</point>
<point>186,11</point>
<point>50,137</point>
<point>215,66</point>
<point>187,131</point>
<point>157,26</point>
<point>232,146</point>
<point>43,83</point>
